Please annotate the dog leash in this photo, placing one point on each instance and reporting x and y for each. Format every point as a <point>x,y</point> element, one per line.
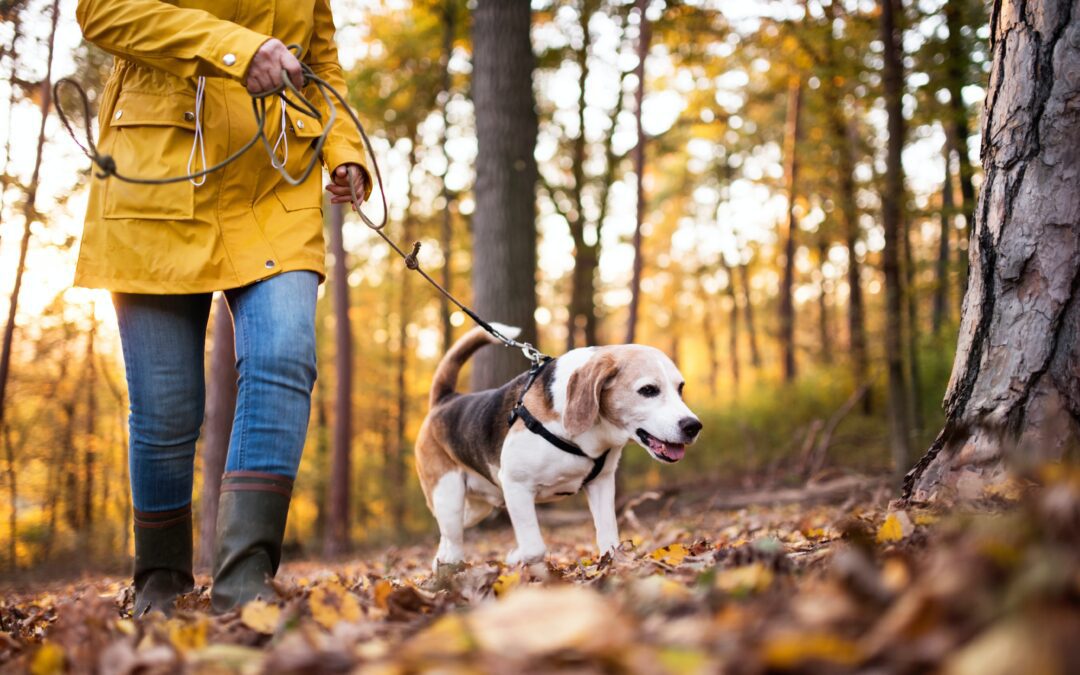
<point>106,165</point>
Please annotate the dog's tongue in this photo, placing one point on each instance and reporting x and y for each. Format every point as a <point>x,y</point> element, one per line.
<point>672,451</point>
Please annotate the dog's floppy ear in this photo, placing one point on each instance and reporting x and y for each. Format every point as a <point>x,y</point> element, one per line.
<point>583,393</point>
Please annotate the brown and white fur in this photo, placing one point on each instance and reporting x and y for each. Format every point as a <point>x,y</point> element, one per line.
<point>470,460</point>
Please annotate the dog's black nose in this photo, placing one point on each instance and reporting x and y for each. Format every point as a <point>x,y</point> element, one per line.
<point>690,426</point>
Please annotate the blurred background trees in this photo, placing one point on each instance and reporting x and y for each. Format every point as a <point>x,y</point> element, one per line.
<point>806,286</point>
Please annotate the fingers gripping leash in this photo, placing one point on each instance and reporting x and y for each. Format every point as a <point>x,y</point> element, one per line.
<point>261,105</point>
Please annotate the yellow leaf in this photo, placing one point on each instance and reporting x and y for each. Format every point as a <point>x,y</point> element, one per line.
<point>48,660</point>
<point>125,626</point>
<point>925,519</point>
<point>816,533</point>
<point>383,589</point>
<point>505,582</point>
<point>447,638</point>
<point>752,578</point>
<point>261,617</point>
<point>331,604</point>
<point>188,635</point>
<point>788,651</point>
<point>891,530</point>
<point>672,554</point>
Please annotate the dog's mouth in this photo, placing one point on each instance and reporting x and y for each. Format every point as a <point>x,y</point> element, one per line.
<point>662,450</point>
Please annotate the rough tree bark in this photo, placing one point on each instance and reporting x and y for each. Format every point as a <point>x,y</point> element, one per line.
<point>644,38</point>
<point>217,425</point>
<point>336,536</point>
<point>792,133</point>
<point>1014,395</point>
<point>504,228</point>
<point>892,219</point>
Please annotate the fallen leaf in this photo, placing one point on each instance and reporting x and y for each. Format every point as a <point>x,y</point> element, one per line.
<point>187,635</point>
<point>331,603</point>
<point>49,659</point>
<point>789,650</point>
<point>897,525</point>
<point>672,554</point>
<point>260,617</point>
<point>505,582</point>
<point>383,589</point>
<point>752,578</point>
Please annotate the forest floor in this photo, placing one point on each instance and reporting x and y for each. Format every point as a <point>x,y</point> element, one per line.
<point>818,580</point>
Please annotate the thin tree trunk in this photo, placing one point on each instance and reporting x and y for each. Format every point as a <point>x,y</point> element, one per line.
<point>733,324</point>
<point>336,540</point>
<point>644,39</point>
<point>748,309</point>
<point>1014,398</point>
<point>792,135</point>
<point>504,223</point>
<point>446,232</point>
<point>221,392</point>
<point>911,335</point>
<point>708,333</point>
<point>892,218</point>
<point>843,134</point>
<point>13,501</point>
<point>823,309</point>
<point>16,30</point>
<point>90,453</point>
<point>29,210</point>
<point>958,62</point>
<point>941,284</point>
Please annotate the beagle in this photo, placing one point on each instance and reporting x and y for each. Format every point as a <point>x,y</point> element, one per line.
<point>545,435</point>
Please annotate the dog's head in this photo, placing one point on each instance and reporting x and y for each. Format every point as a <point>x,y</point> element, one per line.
<point>637,390</point>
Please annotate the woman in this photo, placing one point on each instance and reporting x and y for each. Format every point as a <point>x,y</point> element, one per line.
<point>179,100</point>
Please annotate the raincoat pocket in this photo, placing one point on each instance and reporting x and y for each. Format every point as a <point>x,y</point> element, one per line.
<point>151,135</point>
<point>301,133</point>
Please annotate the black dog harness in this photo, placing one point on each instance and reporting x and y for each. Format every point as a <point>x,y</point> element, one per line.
<point>534,425</point>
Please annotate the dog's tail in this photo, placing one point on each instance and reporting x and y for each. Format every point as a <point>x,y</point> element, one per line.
<point>446,374</point>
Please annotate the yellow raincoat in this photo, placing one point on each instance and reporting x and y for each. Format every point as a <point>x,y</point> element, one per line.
<point>245,222</point>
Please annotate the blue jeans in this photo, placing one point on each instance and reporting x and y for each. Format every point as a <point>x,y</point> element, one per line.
<point>163,338</point>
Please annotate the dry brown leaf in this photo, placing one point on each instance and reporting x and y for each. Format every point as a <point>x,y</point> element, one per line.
<point>260,617</point>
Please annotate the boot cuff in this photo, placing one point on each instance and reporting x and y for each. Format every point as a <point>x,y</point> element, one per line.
<point>156,519</point>
<point>257,482</point>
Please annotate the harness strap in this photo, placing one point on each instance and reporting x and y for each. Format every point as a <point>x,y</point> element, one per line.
<point>534,425</point>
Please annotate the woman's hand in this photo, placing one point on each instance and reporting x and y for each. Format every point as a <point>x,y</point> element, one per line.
<point>264,73</point>
<point>339,188</point>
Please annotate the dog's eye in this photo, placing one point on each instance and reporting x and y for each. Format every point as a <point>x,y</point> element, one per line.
<point>649,391</point>
<point>681,385</point>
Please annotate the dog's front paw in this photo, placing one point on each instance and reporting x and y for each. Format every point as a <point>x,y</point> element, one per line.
<point>519,556</point>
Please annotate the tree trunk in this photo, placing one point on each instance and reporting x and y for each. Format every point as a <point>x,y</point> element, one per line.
<point>13,500</point>
<point>791,173</point>
<point>644,38</point>
<point>221,391</point>
<point>748,309</point>
<point>708,333</point>
<point>1014,395</point>
<point>892,219</point>
<point>941,283</point>
<point>446,232</point>
<point>843,133</point>
<point>823,310</point>
<point>733,324</point>
<point>16,31</point>
<point>911,334</point>
<point>336,538</point>
<point>29,209</point>
<point>504,227</point>
<point>958,62</point>
<point>90,452</point>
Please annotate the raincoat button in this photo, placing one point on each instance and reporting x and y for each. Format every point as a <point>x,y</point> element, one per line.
<point>229,59</point>
<point>189,116</point>
<point>119,114</point>
<point>269,264</point>
<point>300,124</point>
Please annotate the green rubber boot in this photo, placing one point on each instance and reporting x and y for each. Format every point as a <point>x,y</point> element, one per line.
<point>162,559</point>
<point>250,528</point>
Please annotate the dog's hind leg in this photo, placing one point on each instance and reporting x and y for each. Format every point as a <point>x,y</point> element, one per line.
<point>448,504</point>
<point>476,510</point>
